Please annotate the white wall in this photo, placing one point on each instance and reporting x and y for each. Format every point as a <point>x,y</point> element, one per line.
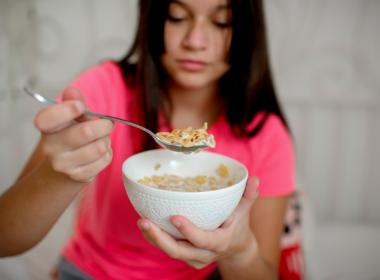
<point>48,43</point>
<point>326,65</point>
<point>326,61</point>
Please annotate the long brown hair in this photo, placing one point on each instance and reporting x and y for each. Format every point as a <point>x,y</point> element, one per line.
<point>247,88</point>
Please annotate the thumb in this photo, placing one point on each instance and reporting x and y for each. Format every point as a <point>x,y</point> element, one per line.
<point>71,93</point>
<point>250,194</point>
<point>252,189</point>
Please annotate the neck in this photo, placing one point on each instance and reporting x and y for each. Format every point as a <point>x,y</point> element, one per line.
<point>193,107</point>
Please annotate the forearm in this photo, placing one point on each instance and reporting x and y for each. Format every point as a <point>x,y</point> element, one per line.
<point>31,207</point>
<point>247,266</point>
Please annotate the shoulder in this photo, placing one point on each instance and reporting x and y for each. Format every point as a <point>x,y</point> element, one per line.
<point>100,74</point>
<point>273,131</point>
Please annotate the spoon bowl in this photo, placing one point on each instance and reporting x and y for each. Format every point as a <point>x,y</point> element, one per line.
<point>170,146</point>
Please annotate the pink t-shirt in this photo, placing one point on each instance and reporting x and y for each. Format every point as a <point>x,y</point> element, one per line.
<point>106,243</point>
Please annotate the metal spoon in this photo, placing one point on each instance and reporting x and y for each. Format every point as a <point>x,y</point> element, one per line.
<point>166,145</point>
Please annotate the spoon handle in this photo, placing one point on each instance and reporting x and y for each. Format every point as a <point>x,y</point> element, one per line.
<point>89,113</point>
<point>47,101</point>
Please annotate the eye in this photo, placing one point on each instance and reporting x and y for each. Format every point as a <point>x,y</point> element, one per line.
<point>222,24</point>
<point>223,18</point>
<point>176,13</point>
<point>176,18</point>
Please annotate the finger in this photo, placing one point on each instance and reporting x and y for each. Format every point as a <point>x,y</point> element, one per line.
<point>83,155</point>
<point>177,249</point>
<point>83,133</point>
<point>159,238</point>
<point>58,116</point>
<point>205,239</point>
<point>245,204</point>
<point>196,264</point>
<point>227,223</point>
<point>86,173</point>
<point>250,194</point>
<point>252,189</point>
<point>196,257</point>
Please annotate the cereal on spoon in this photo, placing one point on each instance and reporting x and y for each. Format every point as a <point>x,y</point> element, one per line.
<point>188,137</point>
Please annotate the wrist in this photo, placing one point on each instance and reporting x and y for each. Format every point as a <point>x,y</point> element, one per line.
<point>46,175</point>
<point>246,264</point>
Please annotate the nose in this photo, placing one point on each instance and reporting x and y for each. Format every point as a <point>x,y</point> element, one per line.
<point>196,37</point>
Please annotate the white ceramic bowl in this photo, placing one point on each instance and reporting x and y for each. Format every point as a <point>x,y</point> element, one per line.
<point>207,209</point>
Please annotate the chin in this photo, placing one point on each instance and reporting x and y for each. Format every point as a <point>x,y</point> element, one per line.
<point>192,81</point>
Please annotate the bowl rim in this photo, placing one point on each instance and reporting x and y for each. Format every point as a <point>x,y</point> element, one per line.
<point>152,189</point>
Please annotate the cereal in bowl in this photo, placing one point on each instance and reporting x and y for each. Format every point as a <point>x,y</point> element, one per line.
<point>198,183</point>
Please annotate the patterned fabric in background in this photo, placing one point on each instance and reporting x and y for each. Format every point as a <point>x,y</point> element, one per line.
<point>292,265</point>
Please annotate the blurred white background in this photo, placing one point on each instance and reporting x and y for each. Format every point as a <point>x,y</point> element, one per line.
<point>326,62</point>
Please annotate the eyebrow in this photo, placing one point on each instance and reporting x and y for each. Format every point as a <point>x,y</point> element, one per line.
<point>184,5</point>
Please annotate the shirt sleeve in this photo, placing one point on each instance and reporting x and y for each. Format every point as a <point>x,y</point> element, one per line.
<point>275,161</point>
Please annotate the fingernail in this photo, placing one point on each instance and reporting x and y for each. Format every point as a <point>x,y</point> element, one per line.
<point>257,180</point>
<point>177,223</point>
<point>79,105</point>
<point>144,226</point>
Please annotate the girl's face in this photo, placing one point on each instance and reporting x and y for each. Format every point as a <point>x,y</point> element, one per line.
<point>197,38</point>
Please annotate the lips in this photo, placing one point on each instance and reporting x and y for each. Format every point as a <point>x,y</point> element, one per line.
<point>192,65</point>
